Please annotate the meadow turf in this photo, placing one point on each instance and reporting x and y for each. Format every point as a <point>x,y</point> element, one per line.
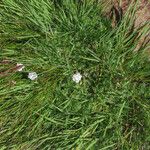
<point>109,109</point>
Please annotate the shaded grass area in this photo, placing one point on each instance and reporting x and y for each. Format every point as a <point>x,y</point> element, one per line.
<point>108,109</point>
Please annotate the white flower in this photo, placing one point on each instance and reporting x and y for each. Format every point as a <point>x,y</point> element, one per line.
<point>77,77</point>
<point>32,75</point>
<point>20,67</point>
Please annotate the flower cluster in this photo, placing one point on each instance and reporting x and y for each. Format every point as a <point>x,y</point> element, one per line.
<point>31,75</point>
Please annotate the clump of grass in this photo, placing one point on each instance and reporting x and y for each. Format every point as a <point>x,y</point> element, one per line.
<point>108,109</point>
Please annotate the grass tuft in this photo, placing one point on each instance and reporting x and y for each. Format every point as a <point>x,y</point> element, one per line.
<point>108,109</point>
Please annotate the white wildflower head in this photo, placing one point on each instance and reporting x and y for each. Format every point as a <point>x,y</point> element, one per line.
<point>77,77</point>
<point>32,75</point>
<point>20,67</point>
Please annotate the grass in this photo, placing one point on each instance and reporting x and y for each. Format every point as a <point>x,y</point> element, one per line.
<point>108,110</point>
